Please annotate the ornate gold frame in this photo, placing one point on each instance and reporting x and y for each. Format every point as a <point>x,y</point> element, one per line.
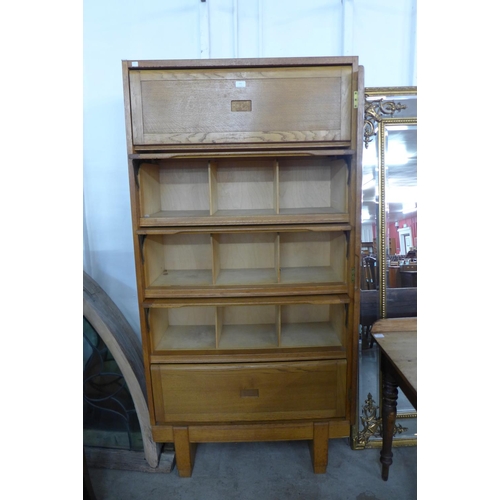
<point>378,115</point>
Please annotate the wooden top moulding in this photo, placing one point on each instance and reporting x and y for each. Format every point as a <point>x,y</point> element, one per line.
<point>241,62</point>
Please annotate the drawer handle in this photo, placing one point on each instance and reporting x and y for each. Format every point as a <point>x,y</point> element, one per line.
<point>249,393</point>
<point>241,105</point>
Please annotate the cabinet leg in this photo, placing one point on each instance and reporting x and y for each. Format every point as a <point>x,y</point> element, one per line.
<point>389,404</point>
<point>319,447</point>
<point>184,451</point>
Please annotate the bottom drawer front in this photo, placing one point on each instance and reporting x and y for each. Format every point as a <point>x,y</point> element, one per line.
<point>249,391</point>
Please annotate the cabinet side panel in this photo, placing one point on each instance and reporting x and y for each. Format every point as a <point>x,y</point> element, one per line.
<point>339,186</point>
<point>355,247</point>
<point>135,214</point>
<point>136,108</point>
<point>149,182</point>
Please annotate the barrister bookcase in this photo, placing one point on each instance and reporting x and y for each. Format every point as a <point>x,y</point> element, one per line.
<point>245,194</point>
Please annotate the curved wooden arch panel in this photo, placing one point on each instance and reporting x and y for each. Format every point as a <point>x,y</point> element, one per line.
<point>115,331</point>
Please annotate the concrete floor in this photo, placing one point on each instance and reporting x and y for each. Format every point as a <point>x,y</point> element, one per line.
<point>269,471</point>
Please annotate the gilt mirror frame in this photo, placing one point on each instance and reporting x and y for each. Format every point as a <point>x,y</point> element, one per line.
<point>381,112</point>
<point>379,116</point>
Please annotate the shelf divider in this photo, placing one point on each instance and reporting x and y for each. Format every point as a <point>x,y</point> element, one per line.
<point>212,182</point>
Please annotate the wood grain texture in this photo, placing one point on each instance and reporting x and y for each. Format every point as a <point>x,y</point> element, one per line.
<point>185,451</point>
<point>211,393</point>
<point>395,325</point>
<point>149,185</point>
<point>210,151</point>
<point>216,300</point>
<point>319,447</point>
<point>268,431</point>
<point>272,228</point>
<point>272,62</point>
<point>238,433</point>
<point>246,217</point>
<point>181,106</point>
<point>184,186</point>
<point>244,185</point>
<point>261,288</point>
<point>401,348</point>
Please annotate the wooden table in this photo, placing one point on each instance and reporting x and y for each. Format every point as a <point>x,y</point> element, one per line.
<point>393,277</point>
<point>397,339</point>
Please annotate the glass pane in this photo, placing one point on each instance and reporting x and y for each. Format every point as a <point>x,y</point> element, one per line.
<point>109,416</point>
<point>401,205</point>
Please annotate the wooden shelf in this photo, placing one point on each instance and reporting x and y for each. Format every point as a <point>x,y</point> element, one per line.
<point>176,214</point>
<point>249,217</point>
<point>207,259</point>
<point>268,150</point>
<point>183,278</point>
<point>199,337</point>
<point>215,300</point>
<point>248,337</point>
<point>309,335</point>
<point>316,274</point>
<point>243,213</point>
<point>243,190</point>
<point>232,326</point>
<point>268,228</point>
<point>247,291</point>
<point>249,277</point>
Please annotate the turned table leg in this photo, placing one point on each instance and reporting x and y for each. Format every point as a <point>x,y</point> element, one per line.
<point>389,412</point>
<point>184,451</point>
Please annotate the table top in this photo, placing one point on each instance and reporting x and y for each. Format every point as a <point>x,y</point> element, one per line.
<point>397,339</point>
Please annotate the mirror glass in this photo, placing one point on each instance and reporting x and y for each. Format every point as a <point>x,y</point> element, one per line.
<point>389,208</point>
<point>401,205</point>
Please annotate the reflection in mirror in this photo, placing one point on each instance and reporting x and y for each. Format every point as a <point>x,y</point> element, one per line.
<point>369,214</point>
<point>389,199</point>
<point>401,204</point>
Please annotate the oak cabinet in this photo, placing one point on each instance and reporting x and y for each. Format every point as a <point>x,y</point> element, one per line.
<point>245,194</point>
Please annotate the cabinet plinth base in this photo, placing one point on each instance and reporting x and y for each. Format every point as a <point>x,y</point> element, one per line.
<point>185,438</point>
